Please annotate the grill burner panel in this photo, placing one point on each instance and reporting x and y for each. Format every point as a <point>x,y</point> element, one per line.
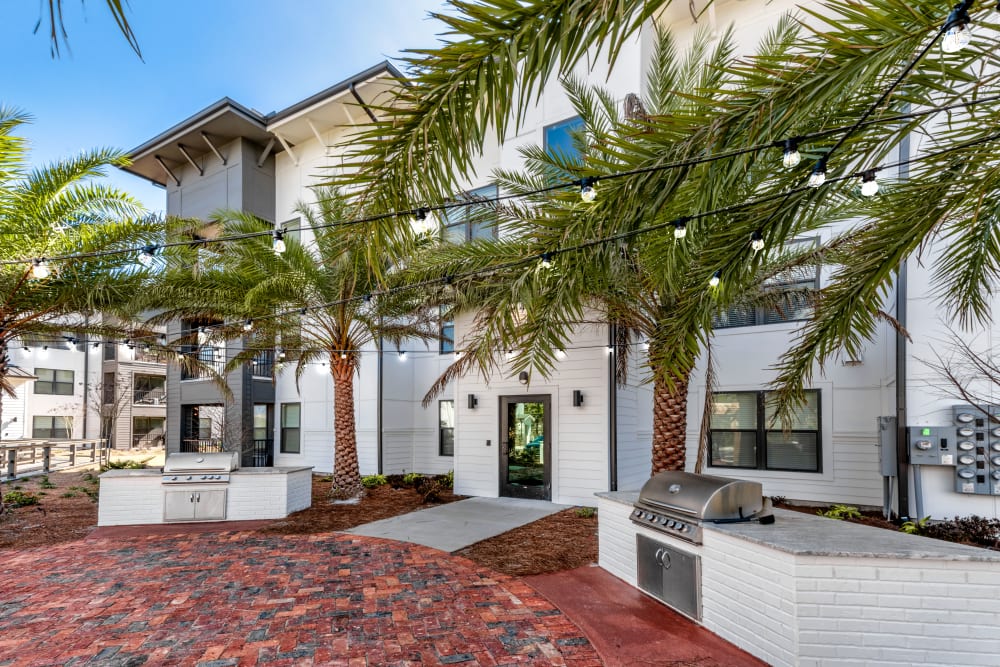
<point>679,503</point>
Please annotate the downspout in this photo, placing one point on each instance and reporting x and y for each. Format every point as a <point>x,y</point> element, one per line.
<point>612,409</point>
<point>86,375</point>
<point>902,453</point>
<point>378,406</point>
<point>364,105</point>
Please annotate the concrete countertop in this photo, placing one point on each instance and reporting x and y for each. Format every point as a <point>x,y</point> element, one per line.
<point>158,472</point>
<point>133,472</point>
<point>810,535</point>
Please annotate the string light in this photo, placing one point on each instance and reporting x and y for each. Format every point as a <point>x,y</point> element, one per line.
<point>248,325</point>
<point>402,355</point>
<point>147,255</point>
<point>26,351</point>
<point>791,156</point>
<point>44,352</point>
<point>818,175</point>
<point>279,241</point>
<point>40,269</point>
<point>715,279</point>
<point>163,340</point>
<point>420,224</point>
<point>680,228</point>
<point>560,354</point>
<point>757,240</point>
<point>546,260</point>
<point>957,30</point>
<point>281,354</point>
<point>343,355</point>
<point>869,186</point>
<point>609,349</point>
<point>588,193</point>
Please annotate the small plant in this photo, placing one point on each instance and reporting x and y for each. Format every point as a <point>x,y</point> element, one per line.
<point>88,477</point>
<point>371,481</point>
<point>70,494</point>
<point>586,512</point>
<point>127,464</point>
<point>447,480</point>
<point>915,527</point>
<point>412,478</point>
<point>969,530</point>
<point>20,499</point>
<point>841,512</point>
<point>44,483</point>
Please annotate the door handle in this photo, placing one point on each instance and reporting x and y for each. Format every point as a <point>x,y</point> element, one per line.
<point>191,499</point>
<point>197,497</point>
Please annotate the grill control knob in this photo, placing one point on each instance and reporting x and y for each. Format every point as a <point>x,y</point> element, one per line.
<point>174,478</point>
<point>189,477</point>
<point>672,524</point>
<point>995,475</point>
<point>682,527</point>
<point>663,520</point>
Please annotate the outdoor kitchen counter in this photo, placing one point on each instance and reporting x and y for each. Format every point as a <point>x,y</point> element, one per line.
<point>133,497</point>
<point>808,535</point>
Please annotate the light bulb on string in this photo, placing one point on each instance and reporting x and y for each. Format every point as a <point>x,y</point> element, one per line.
<point>163,340</point>
<point>343,355</point>
<point>420,223</point>
<point>560,354</point>
<point>546,260</point>
<point>869,186</point>
<point>96,345</point>
<point>40,269</point>
<point>281,354</point>
<point>715,279</point>
<point>680,229</point>
<point>791,156</point>
<point>588,193</point>
<point>757,240</point>
<point>248,325</point>
<point>957,30</point>
<point>44,352</point>
<point>279,241</point>
<point>26,351</point>
<point>402,355</point>
<point>147,255</point>
<point>72,344</point>
<point>818,175</point>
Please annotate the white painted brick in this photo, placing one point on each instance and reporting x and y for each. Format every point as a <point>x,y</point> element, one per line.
<point>899,574</point>
<point>854,572</point>
<point>951,576</point>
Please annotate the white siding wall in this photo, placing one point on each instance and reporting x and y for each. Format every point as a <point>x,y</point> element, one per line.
<point>35,404</point>
<point>635,425</point>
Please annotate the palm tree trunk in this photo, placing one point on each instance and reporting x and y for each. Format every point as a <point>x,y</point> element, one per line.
<point>669,423</point>
<point>346,476</point>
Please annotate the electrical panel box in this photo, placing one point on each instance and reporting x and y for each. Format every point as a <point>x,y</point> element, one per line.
<point>931,445</point>
<point>977,462</point>
<point>887,446</point>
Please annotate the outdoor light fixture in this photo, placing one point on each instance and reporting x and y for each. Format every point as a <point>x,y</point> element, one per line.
<point>147,255</point>
<point>577,398</point>
<point>473,402</point>
<point>96,345</point>
<point>714,280</point>
<point>957,31</point>
<point>818,175</point>
<point>757,240</point>
<point>680,229</point>
<point>546,260</point>
<point>587,191</point>
<point>791,156</point>
<point>522,377</point>
<point>279,241</point>
<point>869,186</point>
<point>248,325</point>
<point>40,269</point>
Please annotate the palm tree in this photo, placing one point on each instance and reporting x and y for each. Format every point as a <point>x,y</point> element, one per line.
<point>57,27</point>
<point>312,301</point>
<point>804,82</point>
<point>625,283</point>
<point>54,211</point>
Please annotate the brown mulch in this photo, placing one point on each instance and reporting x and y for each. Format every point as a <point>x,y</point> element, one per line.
<point>56,518</point>
<point>381,502</point>
<point>561,541</point>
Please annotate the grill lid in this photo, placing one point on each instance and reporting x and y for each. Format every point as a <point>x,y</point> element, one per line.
<point>201,462</point>
<point>703,497</point>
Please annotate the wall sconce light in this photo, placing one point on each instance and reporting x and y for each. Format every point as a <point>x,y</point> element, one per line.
<point>522,377</point>
<point>473,401</point>
<point>577,398</point>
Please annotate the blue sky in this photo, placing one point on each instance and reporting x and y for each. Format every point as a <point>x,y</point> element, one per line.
<point>265,54</point>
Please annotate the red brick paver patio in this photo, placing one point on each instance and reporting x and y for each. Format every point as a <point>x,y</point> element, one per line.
<point>238,598</point>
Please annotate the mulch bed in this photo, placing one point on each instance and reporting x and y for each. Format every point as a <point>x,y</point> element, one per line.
<point>561,541</point>
<point>868,517</point>
<point>56,518</point>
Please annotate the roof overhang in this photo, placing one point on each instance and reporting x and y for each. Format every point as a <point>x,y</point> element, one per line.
<point>16,376</point>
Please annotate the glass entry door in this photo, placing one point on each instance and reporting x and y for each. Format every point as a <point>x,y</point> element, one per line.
<point>526,447</point>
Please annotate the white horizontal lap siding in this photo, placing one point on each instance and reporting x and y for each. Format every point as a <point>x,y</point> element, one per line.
<point>635,416</point>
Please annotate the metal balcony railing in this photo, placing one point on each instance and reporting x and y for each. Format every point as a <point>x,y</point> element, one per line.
<point>211,358</point>
<point>263,364</point>
<point>262,454</point>
<point>201,445</point>
<point>150,396</point>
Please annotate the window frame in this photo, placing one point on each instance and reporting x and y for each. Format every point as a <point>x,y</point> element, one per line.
<point>761,432</point>
<point>282,447</point>
<point>442,428</point>
<point>446,331</point>
<point>465,224</point>
<point>67,427</point>
<point>55,382</point>
<point>575,123</point>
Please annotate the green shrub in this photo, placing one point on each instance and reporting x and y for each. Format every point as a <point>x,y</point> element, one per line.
<point>127,464</point>
<point>371,481</point>
<point>20,499</point>
<point>70,494</point>
<point>44,483</point>
<point>586,512</point>
<point>841,512</point>
<point>447,479</point>
<point>915,527</point>
<point>412,478</point>
<point>969,529</point>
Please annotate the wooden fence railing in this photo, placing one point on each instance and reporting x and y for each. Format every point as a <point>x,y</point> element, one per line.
<point>22,457</point>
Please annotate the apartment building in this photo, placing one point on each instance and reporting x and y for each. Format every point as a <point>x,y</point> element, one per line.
<point>575,433</point>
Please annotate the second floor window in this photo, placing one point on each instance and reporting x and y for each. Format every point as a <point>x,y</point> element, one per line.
<point>475,221</point>
<point>149,389</point>
<point>54,381</point>
<point>446,329</point>
<point>560,139</point>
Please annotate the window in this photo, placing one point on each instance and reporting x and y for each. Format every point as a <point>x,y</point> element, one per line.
<point>446,330</point>
<point>293,228</point>
<point>109,388</point>
<point>52,381</point>
<point>57,428</point>
<point>147,431</point>
<point>446,429</point>
<point>743,435</point>
<point>464,223</point>
<point>559,139</point>
<point>794,302</point>
<point>110,350</point>
<point>291,420</point>
<point>149,389</point>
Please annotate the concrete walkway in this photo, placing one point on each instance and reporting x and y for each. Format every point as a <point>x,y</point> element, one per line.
<point>457,525</point>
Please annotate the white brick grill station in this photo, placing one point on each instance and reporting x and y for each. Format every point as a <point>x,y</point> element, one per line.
<point>807,590</point>
<point>202,487</point>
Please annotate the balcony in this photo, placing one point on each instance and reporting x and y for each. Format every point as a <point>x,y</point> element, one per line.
<point>149,396</point>
<point>211,359</point>
<point>262,454</point>
<point>262,364</point>
<point>201,445</point>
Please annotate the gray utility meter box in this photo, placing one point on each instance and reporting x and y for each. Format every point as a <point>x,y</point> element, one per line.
<point>977,462</point>
<point>931,445</point>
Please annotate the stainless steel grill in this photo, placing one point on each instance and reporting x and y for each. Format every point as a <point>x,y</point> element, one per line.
<point>679,503</point>
<point>200,468</point>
